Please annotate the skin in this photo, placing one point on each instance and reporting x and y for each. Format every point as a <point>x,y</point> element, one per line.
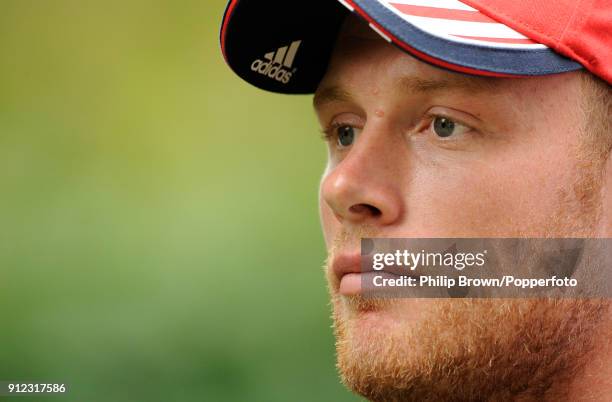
<point>520,165</point>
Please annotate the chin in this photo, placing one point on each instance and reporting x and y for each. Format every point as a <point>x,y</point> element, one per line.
<point>372,334</point>
<point>372,337</point>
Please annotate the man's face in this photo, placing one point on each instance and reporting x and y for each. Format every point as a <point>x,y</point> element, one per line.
<point>416,151</point>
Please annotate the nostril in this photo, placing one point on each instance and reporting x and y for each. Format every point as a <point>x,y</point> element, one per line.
<point>365,209</point>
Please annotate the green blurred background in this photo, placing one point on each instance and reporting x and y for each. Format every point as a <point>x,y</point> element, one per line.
<point>160,238</point>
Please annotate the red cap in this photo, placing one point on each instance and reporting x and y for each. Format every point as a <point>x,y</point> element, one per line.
<point>284,48</point>
<point>578,29</point>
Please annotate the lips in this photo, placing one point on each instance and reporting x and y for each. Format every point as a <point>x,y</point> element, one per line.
<point>349,275</point>
<point>346,269</point>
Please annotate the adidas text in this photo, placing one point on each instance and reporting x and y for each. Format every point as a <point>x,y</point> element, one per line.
<point>276,63</point>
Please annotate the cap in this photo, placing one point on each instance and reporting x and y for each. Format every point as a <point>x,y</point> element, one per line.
<point>285,47</point>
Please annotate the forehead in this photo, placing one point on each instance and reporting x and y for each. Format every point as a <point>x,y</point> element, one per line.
<point>363,60</point>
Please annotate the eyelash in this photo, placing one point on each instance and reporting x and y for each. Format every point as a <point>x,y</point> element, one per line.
<point>329,133</point>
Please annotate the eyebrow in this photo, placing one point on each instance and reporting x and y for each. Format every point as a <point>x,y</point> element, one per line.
<point>414,85</point>
<point>461,83</point>
<point>329,95</point>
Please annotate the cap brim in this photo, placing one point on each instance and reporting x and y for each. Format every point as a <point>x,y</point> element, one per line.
<point>255,31</point>
<point>285,47</point>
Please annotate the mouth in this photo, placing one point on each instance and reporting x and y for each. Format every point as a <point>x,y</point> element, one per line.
<point>353,272</point>
<point>347,271</point>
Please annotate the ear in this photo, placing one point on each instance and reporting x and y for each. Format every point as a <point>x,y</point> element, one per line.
<point>605,224</point>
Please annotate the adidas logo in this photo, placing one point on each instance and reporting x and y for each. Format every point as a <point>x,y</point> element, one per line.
<point>276,64</point>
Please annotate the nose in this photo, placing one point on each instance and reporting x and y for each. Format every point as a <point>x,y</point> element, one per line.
<point>365,187</point>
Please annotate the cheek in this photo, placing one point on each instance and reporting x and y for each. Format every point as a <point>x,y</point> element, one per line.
<point>503,198</point>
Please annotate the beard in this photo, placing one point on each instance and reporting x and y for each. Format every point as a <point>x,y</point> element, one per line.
<point>474,349</point>
<point>466,350</point>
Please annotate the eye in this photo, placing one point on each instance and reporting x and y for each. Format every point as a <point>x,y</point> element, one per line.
<point>444,127</point>
<point>346,135</point>
<point>341,135</point>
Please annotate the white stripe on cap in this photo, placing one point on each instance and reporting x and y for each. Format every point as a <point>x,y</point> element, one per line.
<point>448,4</point>
<point>454,21</point>
<point>437,26</point>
